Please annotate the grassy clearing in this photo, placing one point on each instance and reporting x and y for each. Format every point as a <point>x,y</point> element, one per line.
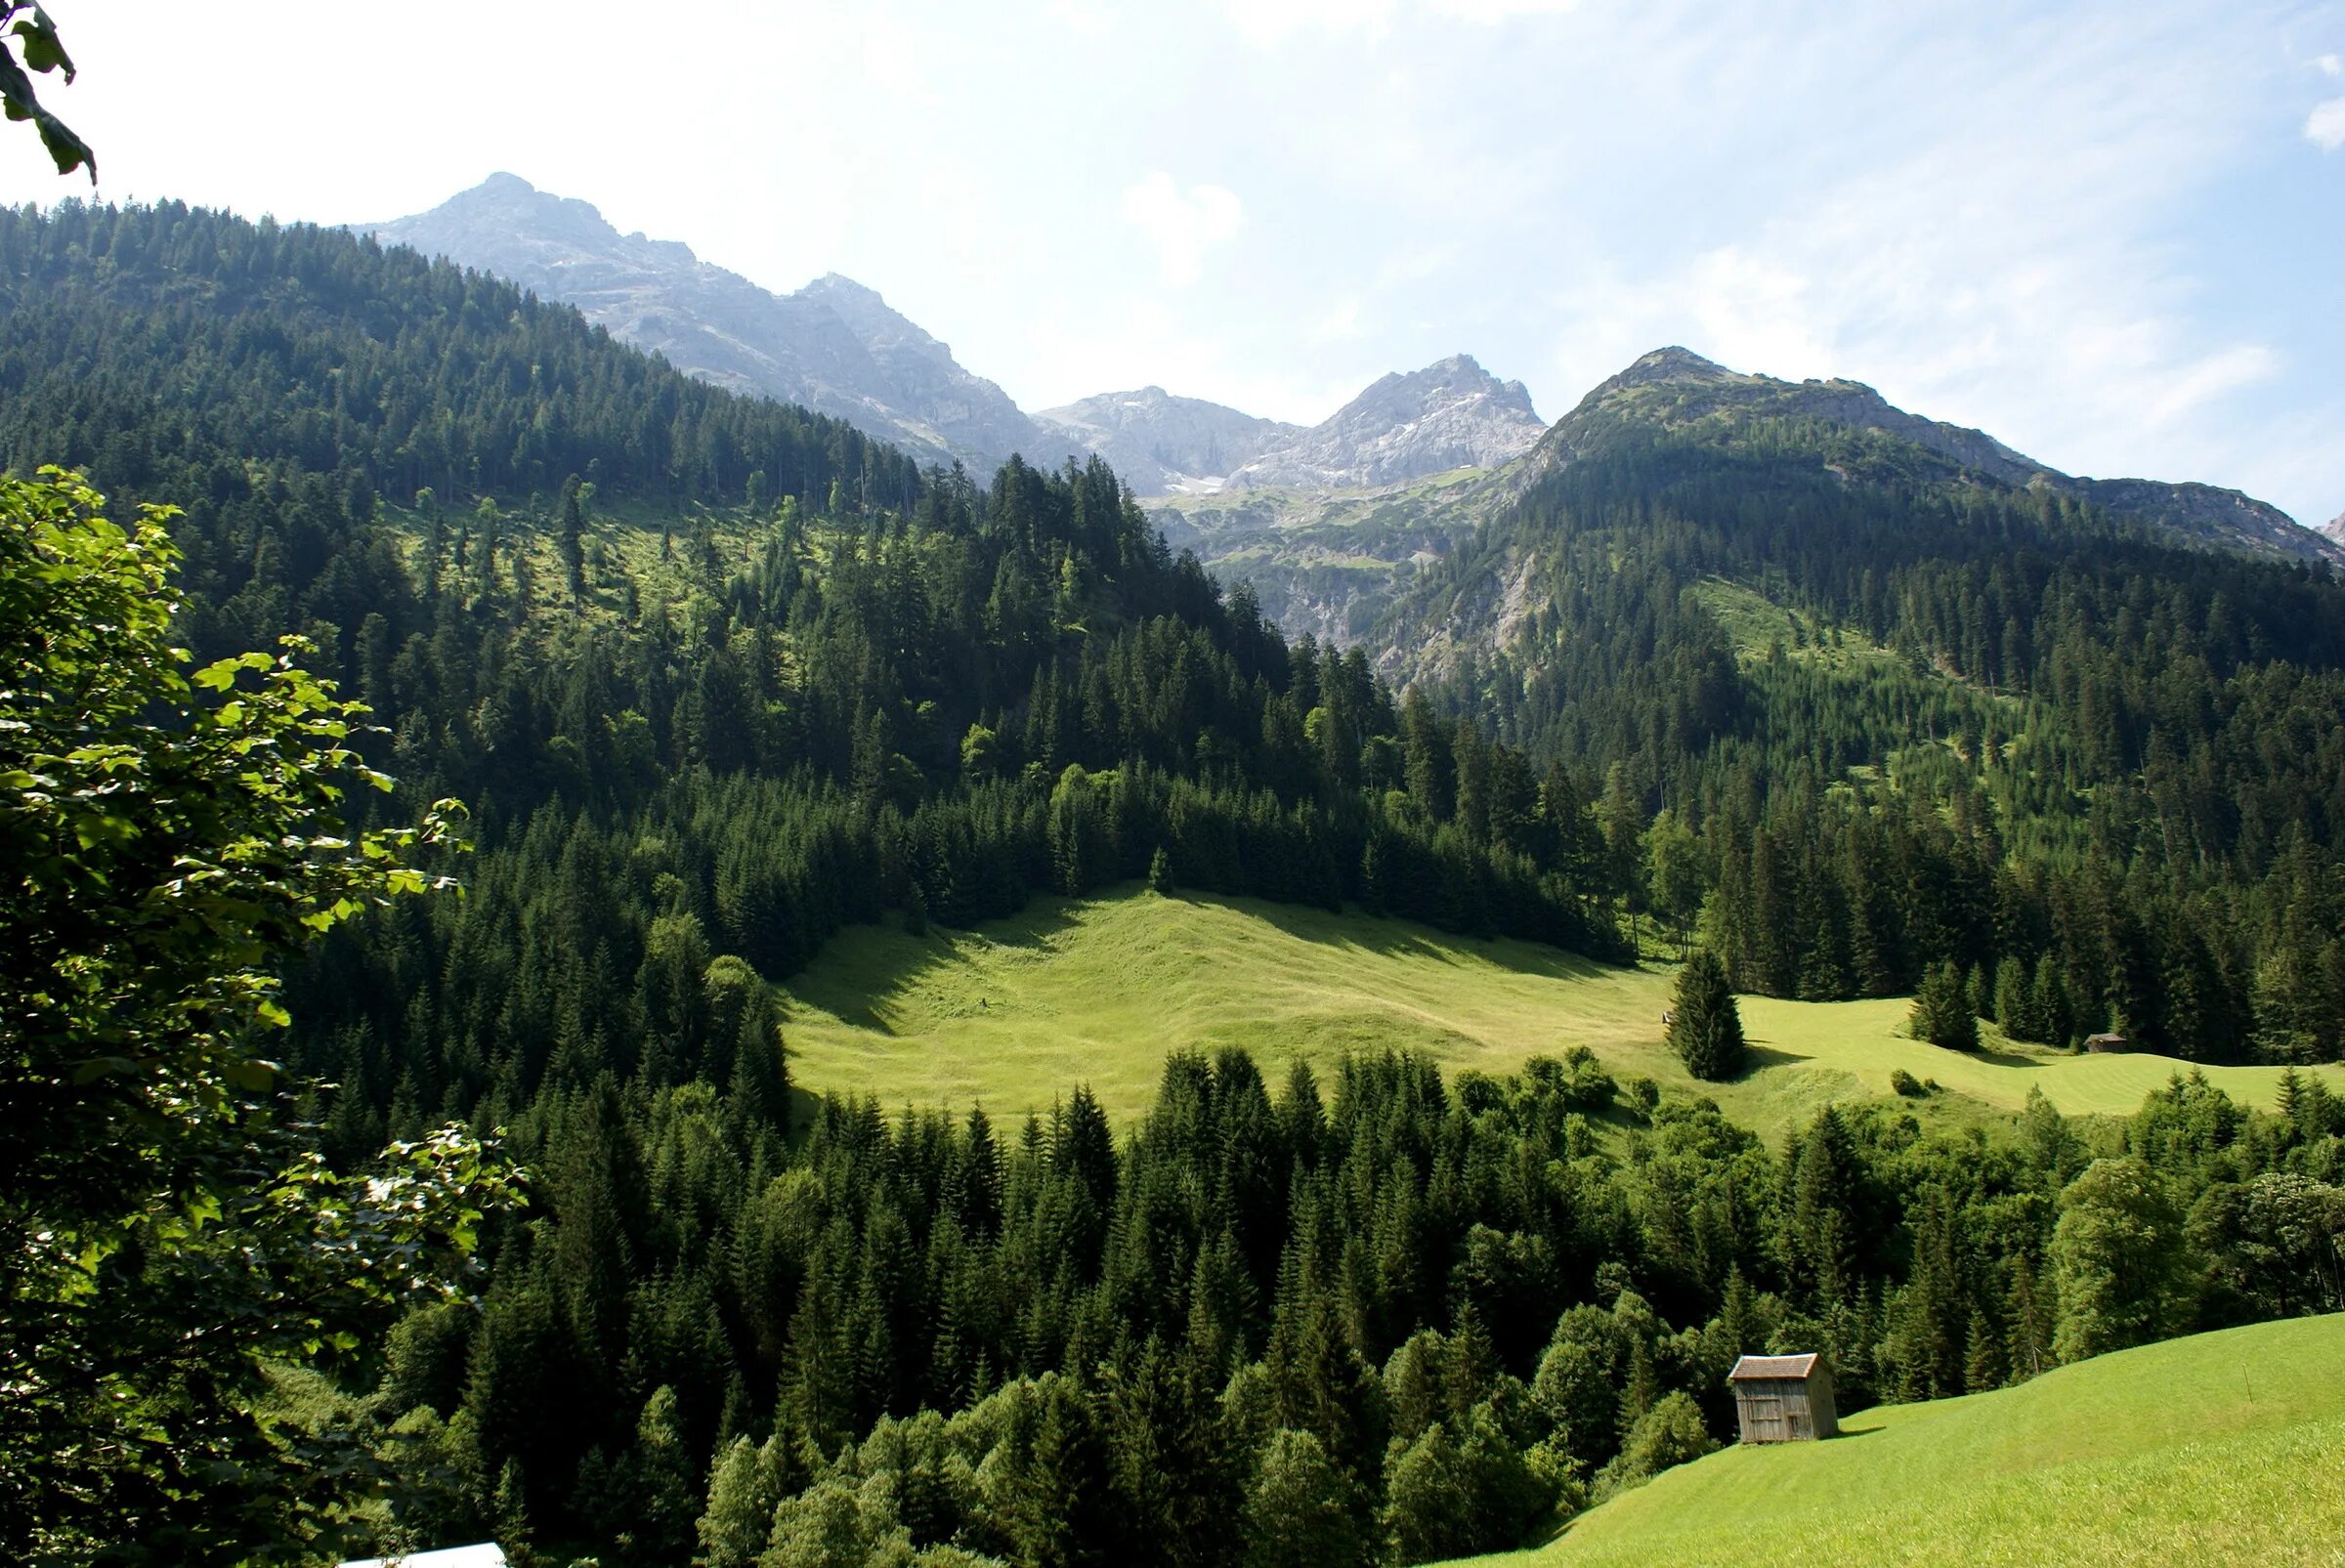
<point>2220,1448</point>
<point>1019,1011</point>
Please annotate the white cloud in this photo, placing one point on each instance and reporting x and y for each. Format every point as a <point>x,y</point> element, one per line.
<point>1182,225</point>
<point>2013,279</point>
<point>2325,127</point>
<point>2330,66</point>
<point>1081,16</point>
<point>2189,387</point>
<point>1489,12</point>
<point>1270,22</point>
<point>1342,321</point>
<point>1273,21</point>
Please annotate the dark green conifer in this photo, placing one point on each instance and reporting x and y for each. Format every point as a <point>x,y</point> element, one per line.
<point>1942,1010</point>
<point>1705,1026</point>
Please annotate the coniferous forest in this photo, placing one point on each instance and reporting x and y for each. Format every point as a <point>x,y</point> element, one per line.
<point>718,679</point>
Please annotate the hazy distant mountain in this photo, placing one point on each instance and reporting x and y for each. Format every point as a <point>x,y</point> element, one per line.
<point>1451,414</point>
<point>1161,445</point>
<point>1674,387</point>
<point>834,346</point>
<point>2334,528</point>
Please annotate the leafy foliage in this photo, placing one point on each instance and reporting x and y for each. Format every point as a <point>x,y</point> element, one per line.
<point>35,37</point>
<point>170,842</point>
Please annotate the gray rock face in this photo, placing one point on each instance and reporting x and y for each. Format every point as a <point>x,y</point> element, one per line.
<point>2334,528</point>
<point>1453,414</point>
<point>834,346</point>
<point>1161,445</point>
<point>1674,386</point>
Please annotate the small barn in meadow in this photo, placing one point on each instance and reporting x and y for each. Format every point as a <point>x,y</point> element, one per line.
<point>2106,1043</point>
<point>1784,1399</point>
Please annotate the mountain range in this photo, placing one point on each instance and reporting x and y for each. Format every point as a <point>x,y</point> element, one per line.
<point>838,348</point>
<point>1273,498</point>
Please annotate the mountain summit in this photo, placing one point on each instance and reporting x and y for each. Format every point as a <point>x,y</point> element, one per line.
<point>1451,414</point>
<point>1674,388</point>
<point>1161,445</point>
<point>834,346</point>
<point>838,348</point>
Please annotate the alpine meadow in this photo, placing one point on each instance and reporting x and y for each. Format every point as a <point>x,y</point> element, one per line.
<point>646,926</point>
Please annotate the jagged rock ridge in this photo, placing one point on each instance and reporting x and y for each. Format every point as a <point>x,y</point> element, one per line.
<point>834,346</point>
<point>1162,444</point>
<point>1451,414</point>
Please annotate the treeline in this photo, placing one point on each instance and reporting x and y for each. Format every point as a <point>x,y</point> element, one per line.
<point>1391,1320</point>
<point>175,353</point>
<point>1992,730</point>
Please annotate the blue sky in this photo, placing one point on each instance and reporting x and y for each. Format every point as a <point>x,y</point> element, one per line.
<point>2112,234</point>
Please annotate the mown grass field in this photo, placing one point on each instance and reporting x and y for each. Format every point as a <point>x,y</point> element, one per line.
<point>2217,1449</point>
<point>1017,1012</point>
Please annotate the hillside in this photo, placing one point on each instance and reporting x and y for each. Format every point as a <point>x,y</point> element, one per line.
<point>771,737</point>
<point>834,346</point>
<point>2219,1449</point>
<point>1675,390</point>
<point>1012,1013</point>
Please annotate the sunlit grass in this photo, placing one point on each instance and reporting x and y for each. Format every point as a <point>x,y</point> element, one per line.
<point>2217,1449</point>
<point>1017,1012</point>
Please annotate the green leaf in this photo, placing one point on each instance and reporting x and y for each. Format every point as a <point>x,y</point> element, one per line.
<point>42,51</point>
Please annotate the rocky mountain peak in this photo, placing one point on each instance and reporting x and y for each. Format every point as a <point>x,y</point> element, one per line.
<point>1162,444</point>
<point>1451,414</point>
<point>834,346</point>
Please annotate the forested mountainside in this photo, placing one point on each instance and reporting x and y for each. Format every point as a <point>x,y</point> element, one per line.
<point>719,677</point>
<point>917,662</point>
<point>1893,714</point>
<point>832,346</point>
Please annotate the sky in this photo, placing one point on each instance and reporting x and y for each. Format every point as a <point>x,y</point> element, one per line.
<point>2110,235</point>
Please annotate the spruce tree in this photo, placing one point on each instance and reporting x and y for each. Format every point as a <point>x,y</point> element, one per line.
<point>1705,1028</point>
<point>2015,1001</point>
<point>1942,1010</point>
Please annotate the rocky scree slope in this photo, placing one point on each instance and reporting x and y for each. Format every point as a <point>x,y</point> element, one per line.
<point>1162,444</point>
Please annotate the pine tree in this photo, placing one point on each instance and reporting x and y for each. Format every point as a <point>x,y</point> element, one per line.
<point>1705,1026</point>
<point>2015,1003</point>
<point>1942,1010</point>
<point>1160,873</point>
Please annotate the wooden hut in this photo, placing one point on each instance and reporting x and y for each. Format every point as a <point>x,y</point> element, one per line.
<point>1784,1399</point>
<point>2106,1043</point>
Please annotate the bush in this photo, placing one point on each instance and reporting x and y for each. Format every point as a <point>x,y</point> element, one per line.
<point>1906,1085</point>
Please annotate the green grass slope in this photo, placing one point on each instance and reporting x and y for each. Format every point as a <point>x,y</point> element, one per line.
<point>1020,1010</point>
<point>2215,1449</point>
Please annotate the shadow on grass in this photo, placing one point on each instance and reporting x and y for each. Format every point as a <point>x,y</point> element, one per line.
<point>1762,1056</point>
<point>855,993</point>
<point>1394,937</point>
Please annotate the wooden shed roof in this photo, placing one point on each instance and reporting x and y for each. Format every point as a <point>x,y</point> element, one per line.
<point>1750,1367</point>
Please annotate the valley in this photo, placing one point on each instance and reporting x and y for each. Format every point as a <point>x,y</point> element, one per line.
<point>1111,1007</point>
<point>1012,1014</point>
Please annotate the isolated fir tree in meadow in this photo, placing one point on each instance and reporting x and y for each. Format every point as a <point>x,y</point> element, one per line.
<point>1705,1028</point>
<point>1942,1010</point>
